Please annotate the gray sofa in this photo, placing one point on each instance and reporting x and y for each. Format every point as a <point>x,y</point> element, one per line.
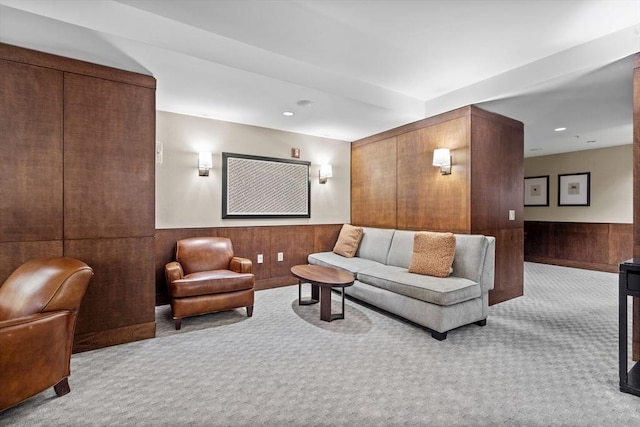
<point>438,303</point>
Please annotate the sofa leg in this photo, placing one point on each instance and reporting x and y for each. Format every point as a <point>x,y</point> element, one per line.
<point>249,310</point>
<point>440,336</point>
<point>62,387</point>
<point>178,322</point>
<point>482,322</point>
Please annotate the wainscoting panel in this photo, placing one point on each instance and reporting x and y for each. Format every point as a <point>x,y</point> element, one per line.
<point>592,246</point>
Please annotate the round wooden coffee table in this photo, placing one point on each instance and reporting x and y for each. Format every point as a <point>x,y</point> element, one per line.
<point>322,279</point>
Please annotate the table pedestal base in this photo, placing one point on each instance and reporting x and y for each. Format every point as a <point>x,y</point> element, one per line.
<point>322,294</point>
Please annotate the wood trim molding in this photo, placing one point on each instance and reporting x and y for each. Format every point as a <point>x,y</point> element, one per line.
<point>47,60</point>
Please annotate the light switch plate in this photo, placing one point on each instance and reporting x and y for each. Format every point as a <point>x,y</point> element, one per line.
<point>512,215</point>
<point>260,259</point>
<point>280,256</point>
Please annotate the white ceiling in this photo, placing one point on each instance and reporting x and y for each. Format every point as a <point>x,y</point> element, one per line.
<point>367,66</point>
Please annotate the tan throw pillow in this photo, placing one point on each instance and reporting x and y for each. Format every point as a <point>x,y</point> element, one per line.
<point>433,253</point>
<point>348,241</point>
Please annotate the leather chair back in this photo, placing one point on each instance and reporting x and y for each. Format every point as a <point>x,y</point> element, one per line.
<point>42,285</point>
<point>204,254</point>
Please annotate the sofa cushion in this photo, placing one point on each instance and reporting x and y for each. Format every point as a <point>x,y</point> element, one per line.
<point>375,244</point>
<point>433,253</point>
<point>330,259</point>
<point>436,290</point>
<point>401,248</point>
<point>210,282</point>
<point>348,240</point>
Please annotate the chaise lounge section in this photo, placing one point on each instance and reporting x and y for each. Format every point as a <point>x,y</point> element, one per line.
<point>381,267</point>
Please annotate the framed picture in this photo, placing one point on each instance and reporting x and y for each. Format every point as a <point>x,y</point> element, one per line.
<point>573,189</point>
<point>264,187</point>
<point>536,191</point>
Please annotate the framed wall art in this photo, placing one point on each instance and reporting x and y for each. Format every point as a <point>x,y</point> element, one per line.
<point>536,191</point>
<point>264,187</point>
<point>574,189</point>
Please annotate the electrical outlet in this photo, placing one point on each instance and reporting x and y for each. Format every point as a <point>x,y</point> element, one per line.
<point>280,256</point>
<point>512,215</point>
<point>260,259</point>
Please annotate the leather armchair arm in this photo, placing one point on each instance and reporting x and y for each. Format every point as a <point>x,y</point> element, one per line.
<point>35,354</point>
<point>173,271</point>
<point>241,265</point>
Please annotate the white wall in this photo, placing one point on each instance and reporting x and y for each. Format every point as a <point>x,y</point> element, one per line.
<point>611,185</point>
<point>186,200</point>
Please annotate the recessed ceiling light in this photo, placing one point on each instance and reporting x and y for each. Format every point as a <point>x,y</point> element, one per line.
<point>287,113</point>
<point>560,129</point>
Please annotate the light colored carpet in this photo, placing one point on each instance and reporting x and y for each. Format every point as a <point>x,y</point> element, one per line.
<point>548,358</point>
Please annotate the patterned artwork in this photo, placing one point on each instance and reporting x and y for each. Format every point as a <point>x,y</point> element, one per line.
<point>264,187</point>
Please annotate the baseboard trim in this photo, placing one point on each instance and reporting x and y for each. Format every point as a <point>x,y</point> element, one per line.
<point>100,339</point>
<point>575,264</point>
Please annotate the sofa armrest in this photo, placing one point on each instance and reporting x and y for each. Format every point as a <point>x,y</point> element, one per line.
<point>35,355</point>
<point>488,268</point>
<point>173,271</point>
<point>241,265</point>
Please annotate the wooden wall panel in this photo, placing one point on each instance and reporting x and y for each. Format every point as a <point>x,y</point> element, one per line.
<point>620,243</point>
<point>109,159</point>
<point>325,237</point>
<point>592,246</point>
<point>497,177</point>
<point>296,243</point>
<point>31,141</point>
<point>248,242</point>
<point>447,206</point>
<point>118,294</point>
<point>14,254</point>
<point>373,184</point>
<point>509,264</point>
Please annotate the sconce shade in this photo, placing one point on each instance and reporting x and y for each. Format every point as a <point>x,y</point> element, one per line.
<point>205,163</point>
<point>325,172</point>
<point>442,159</point>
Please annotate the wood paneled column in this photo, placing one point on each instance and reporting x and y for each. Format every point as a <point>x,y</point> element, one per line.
<point>78,179</point>
<point>394,185</point>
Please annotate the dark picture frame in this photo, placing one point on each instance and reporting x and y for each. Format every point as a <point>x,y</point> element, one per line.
<point>265,187</point>
<point>536,190</point>
<point>574,189</point>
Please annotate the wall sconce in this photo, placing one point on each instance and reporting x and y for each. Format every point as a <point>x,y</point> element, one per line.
<point>442,159</point>
<point>205,163</point>
<point>324,173</point>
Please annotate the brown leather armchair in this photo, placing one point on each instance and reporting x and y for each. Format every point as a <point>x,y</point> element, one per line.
<point>207,277</point>
<point>39,305</point>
